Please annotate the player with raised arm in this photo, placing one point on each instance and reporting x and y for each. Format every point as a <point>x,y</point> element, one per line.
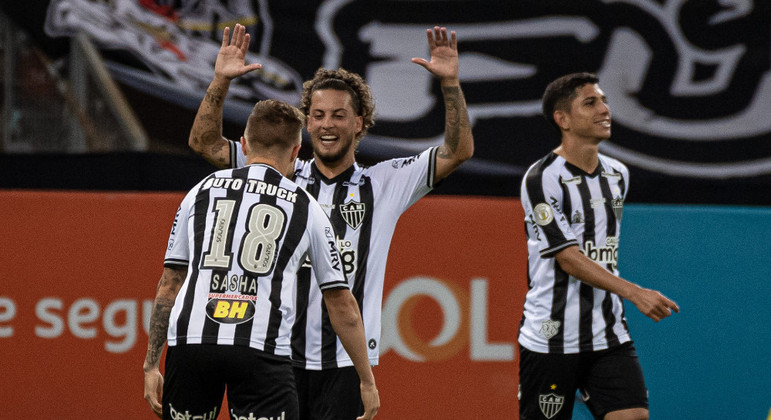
<point>225,301</point>
<point>573,333</point>
<point>364,203</point>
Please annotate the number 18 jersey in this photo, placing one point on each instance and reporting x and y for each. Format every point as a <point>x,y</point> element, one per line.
<point>364,205</point>
<point>243,234</point>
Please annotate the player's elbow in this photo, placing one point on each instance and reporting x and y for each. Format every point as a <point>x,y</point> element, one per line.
<point>194,144</point>
<point>467,152</point>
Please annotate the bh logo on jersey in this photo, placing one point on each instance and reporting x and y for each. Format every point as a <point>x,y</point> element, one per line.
<point>230,311</point>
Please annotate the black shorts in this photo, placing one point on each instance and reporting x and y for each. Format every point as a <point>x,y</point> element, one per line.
<point>609,380</point>
<point>258,384</point>
<point>331,394</point>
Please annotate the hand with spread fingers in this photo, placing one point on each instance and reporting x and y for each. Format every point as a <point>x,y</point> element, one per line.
<point>231,60</point>
<point>444,54</point>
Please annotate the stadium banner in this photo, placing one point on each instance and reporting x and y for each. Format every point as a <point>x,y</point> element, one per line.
<point>81,269</point>
<point>688,82</point>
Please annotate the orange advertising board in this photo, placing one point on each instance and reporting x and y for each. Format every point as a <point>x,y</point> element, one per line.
<point>80,269</point>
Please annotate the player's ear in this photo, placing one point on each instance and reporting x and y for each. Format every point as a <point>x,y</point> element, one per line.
<point>562,119</point>
<point>244,146</point>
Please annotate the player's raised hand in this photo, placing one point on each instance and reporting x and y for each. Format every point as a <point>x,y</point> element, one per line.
<point>231,58</point>
<point>444,54</point>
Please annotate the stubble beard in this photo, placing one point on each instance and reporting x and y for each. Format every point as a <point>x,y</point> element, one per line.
<point>333,157</point>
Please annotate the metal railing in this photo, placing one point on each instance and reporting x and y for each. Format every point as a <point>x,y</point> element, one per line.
<point>61,106</point>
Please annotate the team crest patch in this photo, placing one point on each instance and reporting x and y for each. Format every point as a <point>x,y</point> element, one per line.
<point>618,207</point>
<point>353,213</point>
<point>550,404</point>
<point>549,328</point>
<point>543,214</point>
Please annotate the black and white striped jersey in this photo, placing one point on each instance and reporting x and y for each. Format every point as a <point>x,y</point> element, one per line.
<point>364,205</point>
<point>566,206</point>
<point>243,234</point>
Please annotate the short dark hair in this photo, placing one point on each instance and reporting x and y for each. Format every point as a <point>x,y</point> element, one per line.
<point>346,81</point>
<point>274,124</point>
<point>561,92</point>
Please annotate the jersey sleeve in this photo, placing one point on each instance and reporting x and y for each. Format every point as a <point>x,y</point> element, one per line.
<point>323,252</point>
<point>178,250</point>
<point>546,225</point>
<point>237,156</point>
<point>403,181</point>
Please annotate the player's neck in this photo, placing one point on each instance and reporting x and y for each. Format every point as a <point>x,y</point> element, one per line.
<point>583,155</point>
<point>258,160</point>
<point>333,169</point>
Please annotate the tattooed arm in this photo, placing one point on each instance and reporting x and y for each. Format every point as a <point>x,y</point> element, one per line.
<point>206,135</point>
<point>168,287</point>
<point>458,140</point>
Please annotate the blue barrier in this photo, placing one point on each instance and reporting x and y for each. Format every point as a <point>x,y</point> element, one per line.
<point>713,359</point>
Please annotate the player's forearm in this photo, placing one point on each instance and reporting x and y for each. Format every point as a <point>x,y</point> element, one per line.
<point>168,287</point>
<point>458,139</point>
<point>573,262</point>
<point>206,137</point>
<point>346,321</point>
<point>159,325</point>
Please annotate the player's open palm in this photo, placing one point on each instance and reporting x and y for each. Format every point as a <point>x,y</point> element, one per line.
<point>232,55</point>
<point>444,54</point>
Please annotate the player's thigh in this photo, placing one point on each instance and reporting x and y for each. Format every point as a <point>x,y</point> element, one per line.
<point>306,384</point>
<point>547,385</point>
<point>261,386</point>
<point>339,397</point>
<point>193,384</point>
<point>614,381</point>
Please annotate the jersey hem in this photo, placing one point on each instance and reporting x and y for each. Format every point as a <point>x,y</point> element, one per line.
<point>373,361</point>
<point>544,348</point>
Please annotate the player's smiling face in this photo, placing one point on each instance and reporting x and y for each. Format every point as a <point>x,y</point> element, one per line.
<point>589,115</point>
<point>333,125</point>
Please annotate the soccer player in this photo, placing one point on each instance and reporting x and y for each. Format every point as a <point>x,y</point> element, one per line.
<point>364,203</point>
<point>225,300</point>
<point>573,333</point>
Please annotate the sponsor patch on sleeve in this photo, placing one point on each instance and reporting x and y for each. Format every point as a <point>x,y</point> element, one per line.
<point>543,214</point>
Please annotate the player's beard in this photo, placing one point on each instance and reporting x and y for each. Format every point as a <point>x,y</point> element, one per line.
<point>333,157</point>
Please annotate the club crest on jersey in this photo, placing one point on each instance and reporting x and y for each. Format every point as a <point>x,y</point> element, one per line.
<point>543,214</point>
<point>550,404</point>
<point>550,328</point>
<point>353,213</point>
<point>618,207</point>
<point>230,311</point>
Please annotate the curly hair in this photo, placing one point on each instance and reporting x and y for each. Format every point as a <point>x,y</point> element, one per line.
<point>343,80</point>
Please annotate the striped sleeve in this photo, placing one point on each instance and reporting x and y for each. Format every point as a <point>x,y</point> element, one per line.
<point>323,252</point>
<point>542,201</point>
<point>237,157</point>
<point>178,251</point>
